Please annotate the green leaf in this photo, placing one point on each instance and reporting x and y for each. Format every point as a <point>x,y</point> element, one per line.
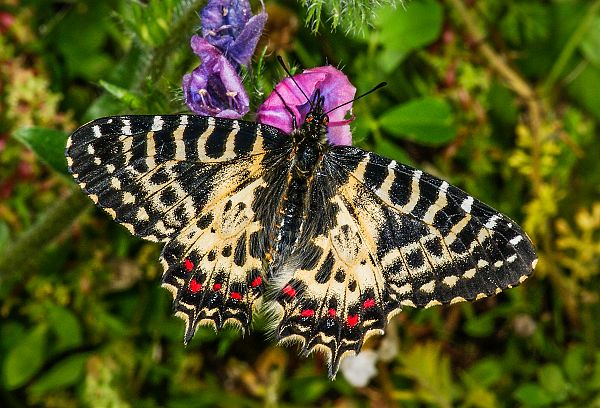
<point>124,95</point>
<point>227,338</point>
<point>403,29</point>
<point>502,104</point>
<point>4,234</point>
<point>82,39</point>
<point>392,151</point>
<point>430,368</point>
<point>47,144</point>
<point>481,325</point>
<point>66,327</point>
<point>64,374</point>
<point>25,359</point>
<point>526,23</point>
<point>11,333</point>
<point>553,381</point>
<point>575,362</point>
<point>582,91</point>
<point>481,398</point>
<point>487,372</point>
<point>590,45</point>
<point>427,120</point>
<point>594,379</point>
<point>531,395</point>
<point>307,390</point>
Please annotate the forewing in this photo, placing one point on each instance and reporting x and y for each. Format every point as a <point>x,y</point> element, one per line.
<point>197,183</point>
<point>440,244</point>
<point>390,236</point>
<point>154,173</point>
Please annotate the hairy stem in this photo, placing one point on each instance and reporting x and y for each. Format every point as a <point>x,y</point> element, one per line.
<point>179,34</point>
<point>55,220</point>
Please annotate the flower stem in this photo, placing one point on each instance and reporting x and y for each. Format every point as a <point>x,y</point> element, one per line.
<point>55,220</point>
<point>180,34</point>
<point>514,80</point>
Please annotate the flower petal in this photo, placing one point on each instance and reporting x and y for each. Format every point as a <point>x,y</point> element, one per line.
<point>214,88</point>
<point>335,88</point>
<point>230,26</point>
<point>242,48</point>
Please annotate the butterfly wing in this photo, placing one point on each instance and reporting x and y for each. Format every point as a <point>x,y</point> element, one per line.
<point>200,185</point>
<point>391,236</point>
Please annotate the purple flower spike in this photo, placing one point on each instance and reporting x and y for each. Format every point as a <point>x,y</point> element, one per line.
<point>335,88</point>
<point>214,88</point>
<point>230,26</point>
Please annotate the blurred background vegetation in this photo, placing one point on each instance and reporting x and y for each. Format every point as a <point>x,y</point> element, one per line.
<point>499,97</point>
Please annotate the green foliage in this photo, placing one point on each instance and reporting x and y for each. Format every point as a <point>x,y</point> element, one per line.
<point>65,373</point>
<point>25,358</point>
<point>426,120</point>
<point>431,373</point>
<point>498,97</point>
<point>48,145</point>
<point>590,45</point>
<point>402,30</point>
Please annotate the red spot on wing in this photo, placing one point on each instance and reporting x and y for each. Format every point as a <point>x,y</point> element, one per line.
<point>288,290</point>
<point>369,303</point>
<point>216,286</point>
<point>331,312</point>
<point>195,286</point>
<point>189,265</point>
<point>236,295</point>
<point>307,313</point>
<point>257,281</point>
<point>352,320</point>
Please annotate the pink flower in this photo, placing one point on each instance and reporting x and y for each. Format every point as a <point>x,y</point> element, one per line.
<point>335,88</point>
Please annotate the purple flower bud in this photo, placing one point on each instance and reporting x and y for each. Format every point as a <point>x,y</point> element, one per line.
<point>335,88</point>
<point>214,88</point>
<point>230,26</point>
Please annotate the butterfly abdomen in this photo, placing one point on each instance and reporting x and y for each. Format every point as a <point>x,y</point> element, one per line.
<point>293,205</point>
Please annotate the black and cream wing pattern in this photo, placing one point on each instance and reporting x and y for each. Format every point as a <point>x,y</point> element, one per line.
<point>202,185</point>
<point>390,236</point>
<point>335,242</point>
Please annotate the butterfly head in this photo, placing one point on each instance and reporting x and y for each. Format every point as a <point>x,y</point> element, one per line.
<point>316,120</point>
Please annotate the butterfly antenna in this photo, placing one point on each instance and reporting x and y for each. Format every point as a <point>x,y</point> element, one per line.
<point>292,78</point>
<point>288,109</point>
<point>381,85</point>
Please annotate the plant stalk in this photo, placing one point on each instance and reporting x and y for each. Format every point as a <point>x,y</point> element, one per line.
<point>514,80</point>
<point>55,220</point>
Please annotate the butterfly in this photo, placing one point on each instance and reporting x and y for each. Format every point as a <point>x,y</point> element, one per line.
<point>335,240</point>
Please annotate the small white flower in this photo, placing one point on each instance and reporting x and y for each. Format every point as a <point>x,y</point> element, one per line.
<point>359,369</point>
